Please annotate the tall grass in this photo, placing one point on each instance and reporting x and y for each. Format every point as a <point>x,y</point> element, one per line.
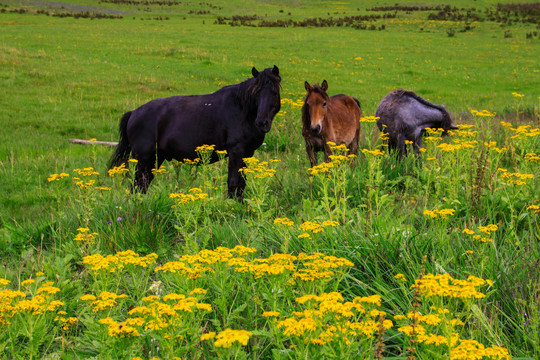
<point>467,207</point>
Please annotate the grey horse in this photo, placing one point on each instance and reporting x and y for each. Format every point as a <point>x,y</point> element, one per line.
<point>403,115</point>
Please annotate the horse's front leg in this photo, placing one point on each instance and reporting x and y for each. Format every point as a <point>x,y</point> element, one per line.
<point>312,155</point>
<point>235,181</point>
<point>327,151</point>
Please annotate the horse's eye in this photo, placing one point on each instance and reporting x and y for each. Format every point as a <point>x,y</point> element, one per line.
<point>324,104</point>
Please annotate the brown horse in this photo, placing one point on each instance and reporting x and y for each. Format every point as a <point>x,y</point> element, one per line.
<point>324,119</point>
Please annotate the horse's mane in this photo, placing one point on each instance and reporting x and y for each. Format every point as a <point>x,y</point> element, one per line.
<point>446,122</point>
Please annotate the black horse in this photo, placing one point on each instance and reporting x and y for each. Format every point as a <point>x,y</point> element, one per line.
<point>234,118</point>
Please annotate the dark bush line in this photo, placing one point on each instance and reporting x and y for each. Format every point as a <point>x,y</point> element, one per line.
<point>77,15</point>
<point>350,21</point>
<point>504,14</point>
<point>143,2</point>
<point>407,8</point>
<point>157,2</point>
<point>87,15</point>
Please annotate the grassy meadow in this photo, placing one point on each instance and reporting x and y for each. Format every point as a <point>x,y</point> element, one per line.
<point>431,258</point>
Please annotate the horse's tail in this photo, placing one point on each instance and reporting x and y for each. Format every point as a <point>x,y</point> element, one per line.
<point>123,150</point>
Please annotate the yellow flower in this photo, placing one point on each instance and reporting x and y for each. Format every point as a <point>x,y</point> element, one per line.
<point>270,314</point>
<point>369,119</point>
<point>208,336</point>
<point>27,282</point>
<point>227,337</point>
<point>205,148</point>
<point>283,221</point>
<point>483,113</point>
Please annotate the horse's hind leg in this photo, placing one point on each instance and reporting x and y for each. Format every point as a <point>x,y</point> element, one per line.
<point>402,147</point>
<point>144,175</point>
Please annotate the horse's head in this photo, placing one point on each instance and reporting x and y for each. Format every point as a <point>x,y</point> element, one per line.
<point>266,91</point>
<point>316,100</point>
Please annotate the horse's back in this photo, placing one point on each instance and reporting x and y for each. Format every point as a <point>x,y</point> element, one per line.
<point>345,109</point>
<point>405,109</point>
<point>344,115</point>
<point>176,125</point>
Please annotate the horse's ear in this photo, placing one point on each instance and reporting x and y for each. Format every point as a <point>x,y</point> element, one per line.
<point>254,72</point>
<point>324,85</point>
<point>307,86</point>
<point>275,71</point>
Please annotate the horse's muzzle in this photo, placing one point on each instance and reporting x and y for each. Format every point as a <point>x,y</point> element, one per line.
<point>316,130</point>
<point>264,125</point>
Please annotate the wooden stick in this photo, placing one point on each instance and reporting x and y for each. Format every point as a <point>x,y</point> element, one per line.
<point>95,142</point>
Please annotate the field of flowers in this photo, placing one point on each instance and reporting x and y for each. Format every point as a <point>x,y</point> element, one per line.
<point>362,257</point>
<point>425,259</point>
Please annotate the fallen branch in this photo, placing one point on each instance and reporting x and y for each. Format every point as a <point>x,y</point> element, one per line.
<point>93,142</point>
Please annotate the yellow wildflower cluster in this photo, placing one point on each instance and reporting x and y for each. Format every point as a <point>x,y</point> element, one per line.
<point>193,195</point>
<point>369,119</point>
<point>514,178</point>
<point>57,177</point>
<point>459,348</point>
<point>445,285</point>
<point>191,162</point>
<point>168,312</point>
<point>203,149</point>
<point>283,221</point>
<point>113,263</point>
<point>104,301</point>
<point>493,145</point>
<point>65,323</point>
<point>256,169</point>
<point>313,227</point>
<point>483,113</point>
<point>533,157</point>
<point>14,302</point>
<point>226,338</point>
<point>88,171</point>
<point>488,229</point>
<point>118,170</point>
<point>376,152</point>
<point>434,131</point>
<point>159,171</point>
<point>473,350</point>
<point>303,267</point>
<point>294,104</point>
<point>524,131</point>
<point>84,235</point>
<point>439,214</point>
<point>193,266</point>
<point>535,208</point>
<point>329,319</point>
<point>85,185</point>
<point>337,148</point>
<point>518,95</point>
<point>120,330</point>
<point>322,168</point>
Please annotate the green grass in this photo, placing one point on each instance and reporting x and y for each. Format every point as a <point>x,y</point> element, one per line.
<point>74,78</point>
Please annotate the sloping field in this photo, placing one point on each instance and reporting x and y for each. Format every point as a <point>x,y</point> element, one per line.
<point>430,258</point>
